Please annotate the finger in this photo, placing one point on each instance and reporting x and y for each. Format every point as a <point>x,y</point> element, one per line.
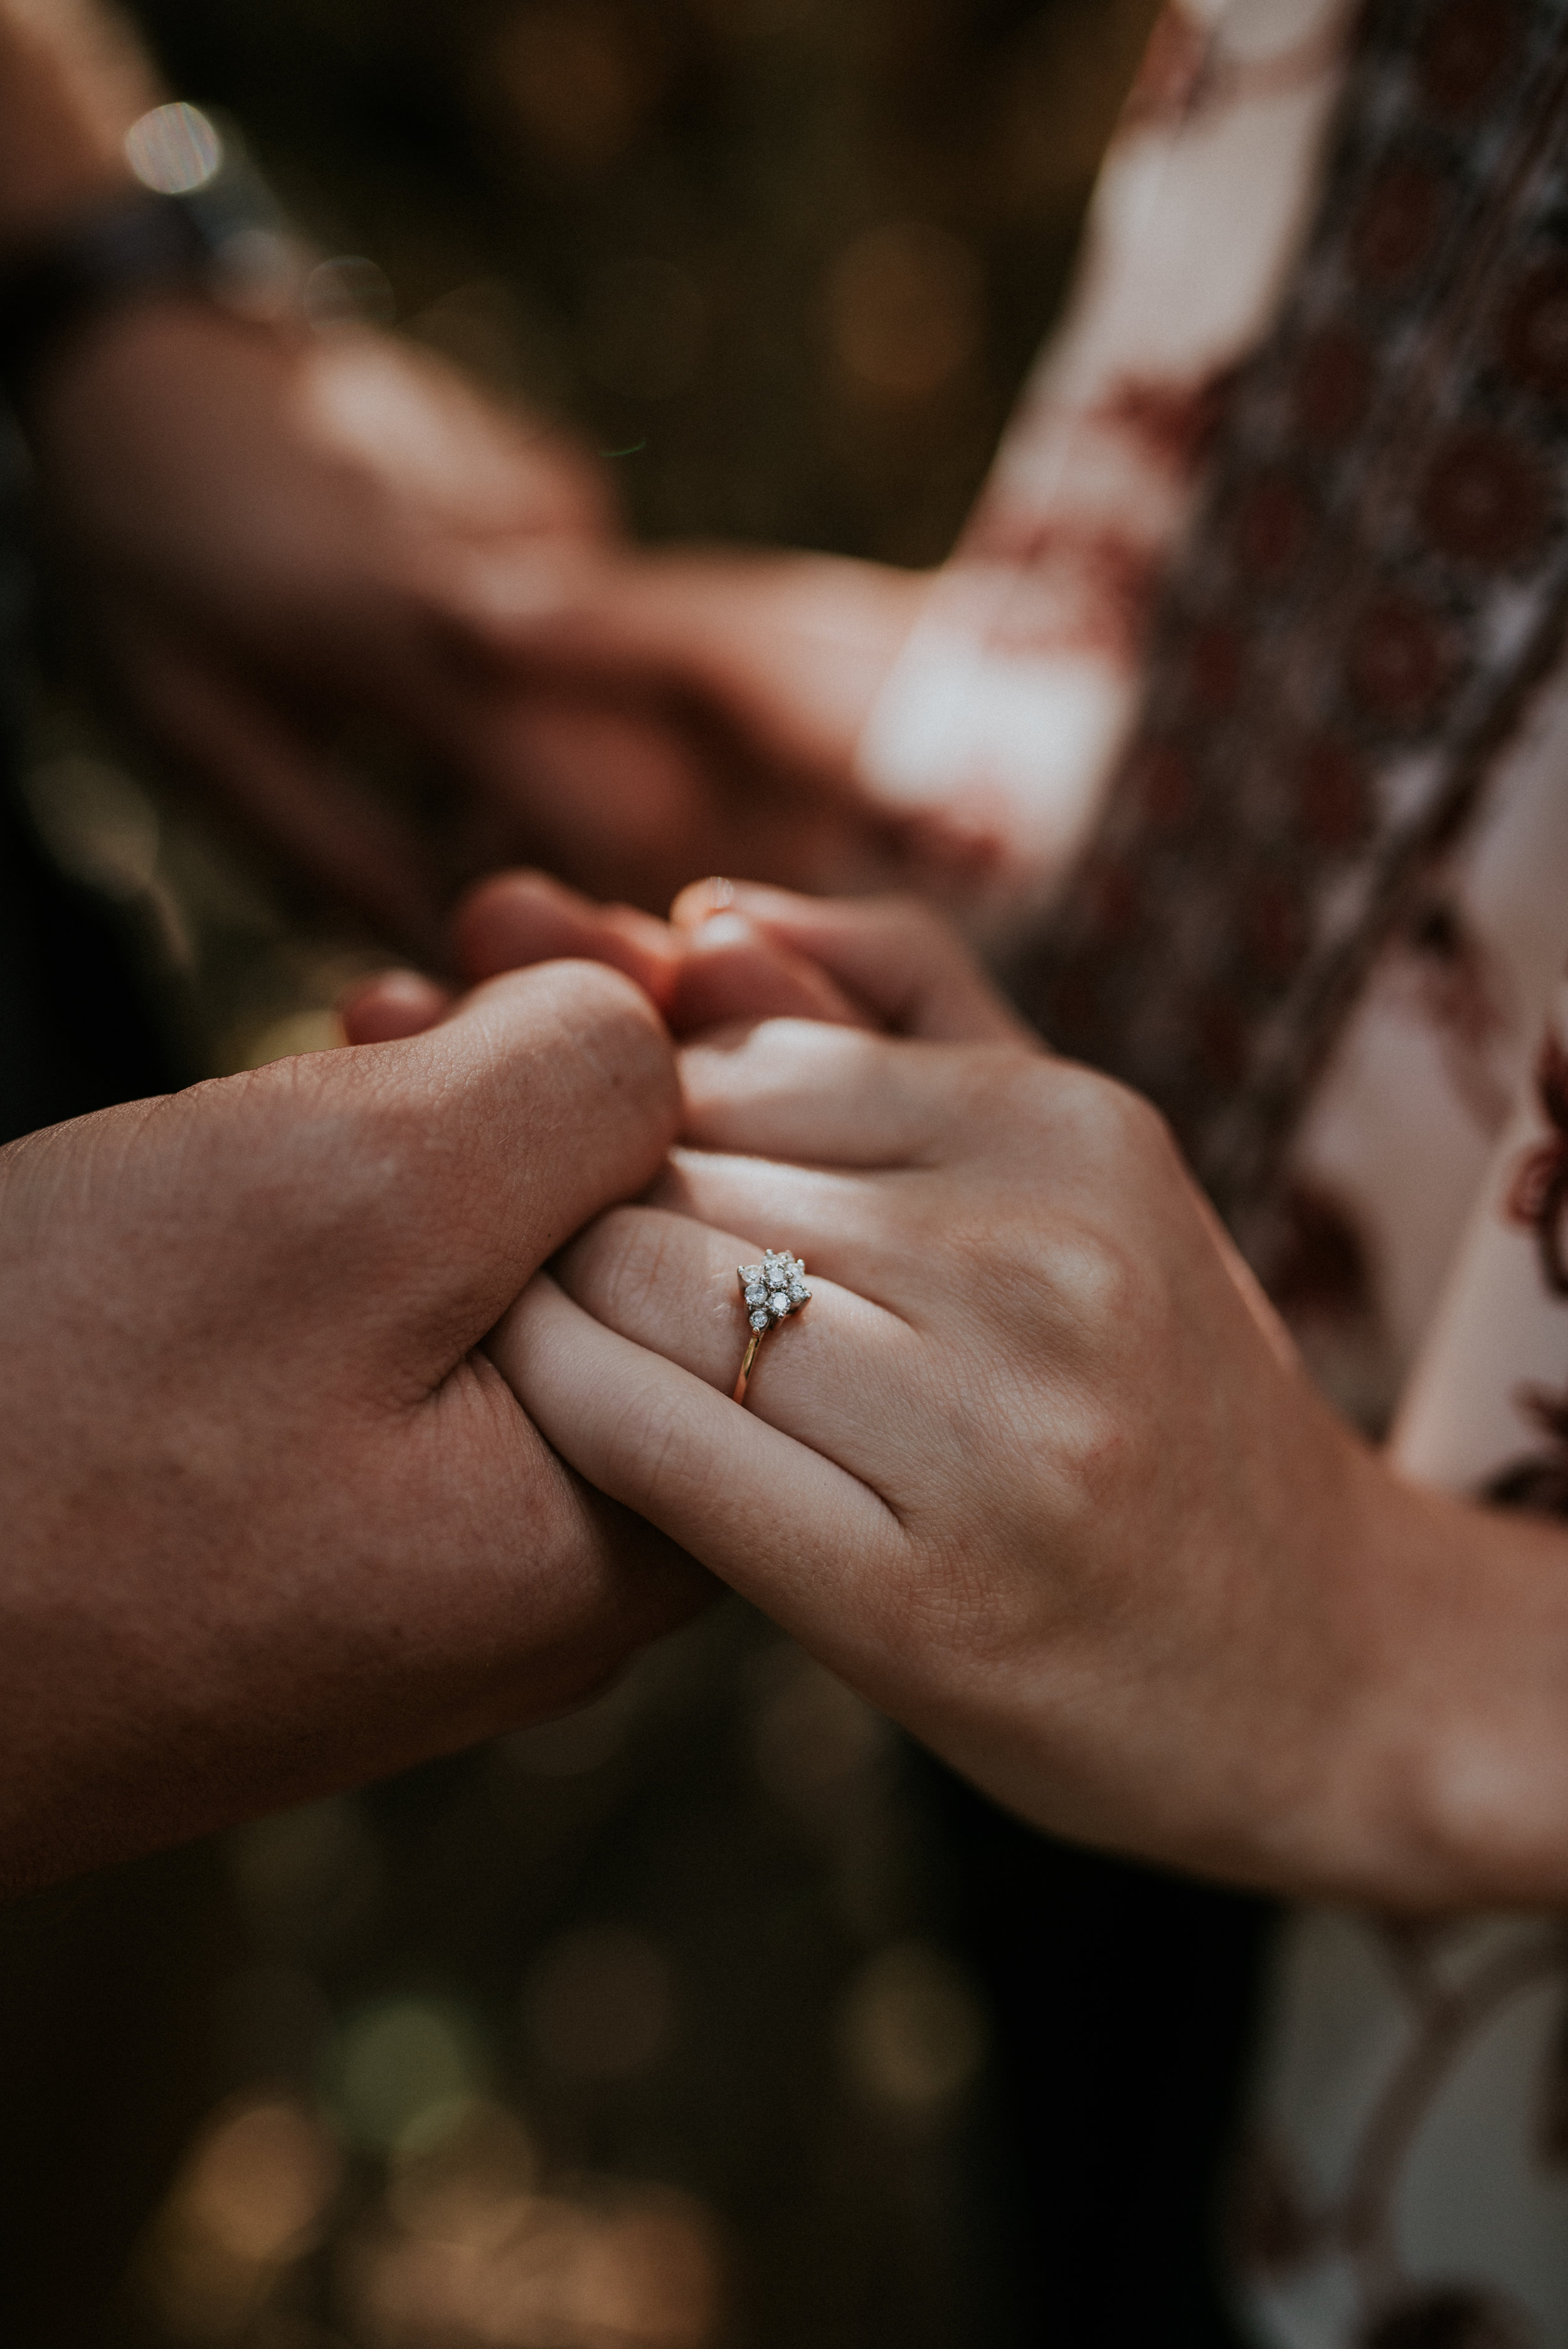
<point>831,1095</point>
<point>847,1226</point>
<point>789,651</point>
<point>392,1004</point>
<point>894,957</point>
<point>514,919</point>
<point>730,971</point>
<point>835,1373</point>
<point>444,1169</point>
<point>775,1519</point>
<point>611,793</point>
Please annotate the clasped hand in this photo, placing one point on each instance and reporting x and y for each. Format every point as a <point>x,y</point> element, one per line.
<point>1038,1470</point>
<point>274,1524</point>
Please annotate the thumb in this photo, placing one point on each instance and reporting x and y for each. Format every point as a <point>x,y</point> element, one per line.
<point>457,1161</point>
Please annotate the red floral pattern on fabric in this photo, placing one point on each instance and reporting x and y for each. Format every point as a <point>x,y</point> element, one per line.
<point>1538,1196</point>
<point>1376,582</point>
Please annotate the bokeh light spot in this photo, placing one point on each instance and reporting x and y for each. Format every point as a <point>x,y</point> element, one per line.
<point>252,2197</point>
<point>399,2060</point>
<point>97,823</point>
<point>298,1032</point>
<point>911,2030</point>
<point>575,81</point>
<point>814,1740</point>
<point>610,2268</point>
<point>905,309</point>
<point>463,2173</point>
<point>174,149</point>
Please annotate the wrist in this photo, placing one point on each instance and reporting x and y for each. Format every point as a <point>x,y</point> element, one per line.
<point>72,82</point>
<point>1448,1789</point>
<point>189,219</point>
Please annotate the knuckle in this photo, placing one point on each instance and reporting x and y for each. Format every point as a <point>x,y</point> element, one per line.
<point>1090,1450</point>
<point>590,994</point>
<point>621,1042</point>
<point>330,1141</point>
<point>607,995</point>
<point>1006,1080</point>
<point>1111,1120</point>
<point>1094,1276</point>
<point>599,1011</point>
<point>1110,1133</point>
<point>653,1462</point>
<point>620,1266</point>
<point>1055,1287</point>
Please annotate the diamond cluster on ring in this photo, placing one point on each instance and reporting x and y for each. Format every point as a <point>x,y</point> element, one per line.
<point>773,1287</point>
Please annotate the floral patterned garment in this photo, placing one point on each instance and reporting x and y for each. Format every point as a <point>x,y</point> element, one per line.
<point>1258,634</point>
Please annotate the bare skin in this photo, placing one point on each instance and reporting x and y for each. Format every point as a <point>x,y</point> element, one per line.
<point>274,1524</point>
<point>289,548</point>
<point>288,551</point>
<point>1037,1469</point>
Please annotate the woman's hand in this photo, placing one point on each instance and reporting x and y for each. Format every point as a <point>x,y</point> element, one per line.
<point>1037,1472</point>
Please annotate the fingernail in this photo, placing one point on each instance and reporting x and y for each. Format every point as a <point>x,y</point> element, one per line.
<point>724,929</point>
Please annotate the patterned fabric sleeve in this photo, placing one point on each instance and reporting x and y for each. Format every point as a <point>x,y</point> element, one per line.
<point>1406,2187</point>
<point>1012,699</point>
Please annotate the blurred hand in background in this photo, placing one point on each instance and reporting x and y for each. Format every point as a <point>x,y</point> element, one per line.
<point>296,552</point>
<point>392,625</point>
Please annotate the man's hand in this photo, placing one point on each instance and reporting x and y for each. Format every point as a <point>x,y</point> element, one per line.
<point>306,556</point>
<point>294,549</point>
<point>1039,1472</point>
<point>279,539</point>
<point>701,711</point>
<point>273,1523</point>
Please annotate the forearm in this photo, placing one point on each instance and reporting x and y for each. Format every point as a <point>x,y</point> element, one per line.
<point>1443,1783</point>
<point>72,82</point>
<point>1383,1718</point>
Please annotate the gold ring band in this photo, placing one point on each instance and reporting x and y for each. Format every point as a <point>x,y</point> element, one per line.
<point>772,1290</point>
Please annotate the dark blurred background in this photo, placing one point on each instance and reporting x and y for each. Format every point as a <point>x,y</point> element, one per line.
<point>687,2024</point>
<point>796,253</point>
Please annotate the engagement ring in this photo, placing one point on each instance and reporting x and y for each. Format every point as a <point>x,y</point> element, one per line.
<point>771,1289</point>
